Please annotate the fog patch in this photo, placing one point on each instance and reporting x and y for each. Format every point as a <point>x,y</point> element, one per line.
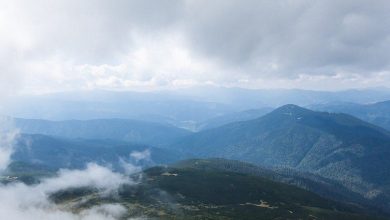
<point>141,155</point>
<point>8,136</point>
<point>129,168</point>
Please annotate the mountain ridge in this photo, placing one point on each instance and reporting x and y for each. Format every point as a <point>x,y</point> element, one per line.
<point>135,131</point>
<point>336,146</point>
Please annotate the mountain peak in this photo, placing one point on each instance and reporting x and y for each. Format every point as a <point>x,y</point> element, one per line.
<point>290,110</point>
<point>290,106</point>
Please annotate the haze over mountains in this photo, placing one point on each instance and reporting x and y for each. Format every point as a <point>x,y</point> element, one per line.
<point>336,153</point>
<point>59,153</point>
<point>187,108</point>
<point>133,131</point>
<point>333,154</point>
<point>194,109</point>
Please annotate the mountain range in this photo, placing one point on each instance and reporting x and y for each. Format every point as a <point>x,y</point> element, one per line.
<point>333,154</point>
<point>185,108</point>
<point>133,131</point>
<point>339,147</point>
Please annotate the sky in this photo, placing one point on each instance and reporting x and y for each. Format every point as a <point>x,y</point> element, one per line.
<point>63,45</point>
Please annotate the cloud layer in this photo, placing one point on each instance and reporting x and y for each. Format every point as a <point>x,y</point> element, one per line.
<point>19,201</point>
<point>65,45</point>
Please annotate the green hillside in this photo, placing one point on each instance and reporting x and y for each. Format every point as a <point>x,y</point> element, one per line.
<point>335,146</point>
<point>186,193</point>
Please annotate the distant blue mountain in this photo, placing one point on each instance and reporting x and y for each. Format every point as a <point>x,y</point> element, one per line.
<point>56,153</point>
<point>132,131</point>
<point>233,117</point>
<point>186,108</point>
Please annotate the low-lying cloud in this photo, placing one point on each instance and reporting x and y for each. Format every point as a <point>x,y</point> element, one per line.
<point>19,201</point>
<point>94,176</point>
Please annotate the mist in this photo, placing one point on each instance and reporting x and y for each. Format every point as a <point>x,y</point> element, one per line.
<point>19,201</point>
<point>8,135</point>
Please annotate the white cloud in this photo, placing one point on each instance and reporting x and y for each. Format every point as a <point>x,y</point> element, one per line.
<point>21,202</point>
<point>94,175</point>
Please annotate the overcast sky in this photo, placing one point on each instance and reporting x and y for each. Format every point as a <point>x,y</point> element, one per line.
<point>144,45</point>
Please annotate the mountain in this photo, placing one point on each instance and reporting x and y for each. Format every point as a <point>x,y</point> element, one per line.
<point>133,131</point>
<point>233,117</point>
<point>187,193</point>
<point>55,153</point>
<point>376,113</point>
<point>339,147</point>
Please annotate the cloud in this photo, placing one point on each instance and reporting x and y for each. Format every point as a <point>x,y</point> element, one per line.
<point>143,45</point>
<point>93,176</point>
<point>19,201</point>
